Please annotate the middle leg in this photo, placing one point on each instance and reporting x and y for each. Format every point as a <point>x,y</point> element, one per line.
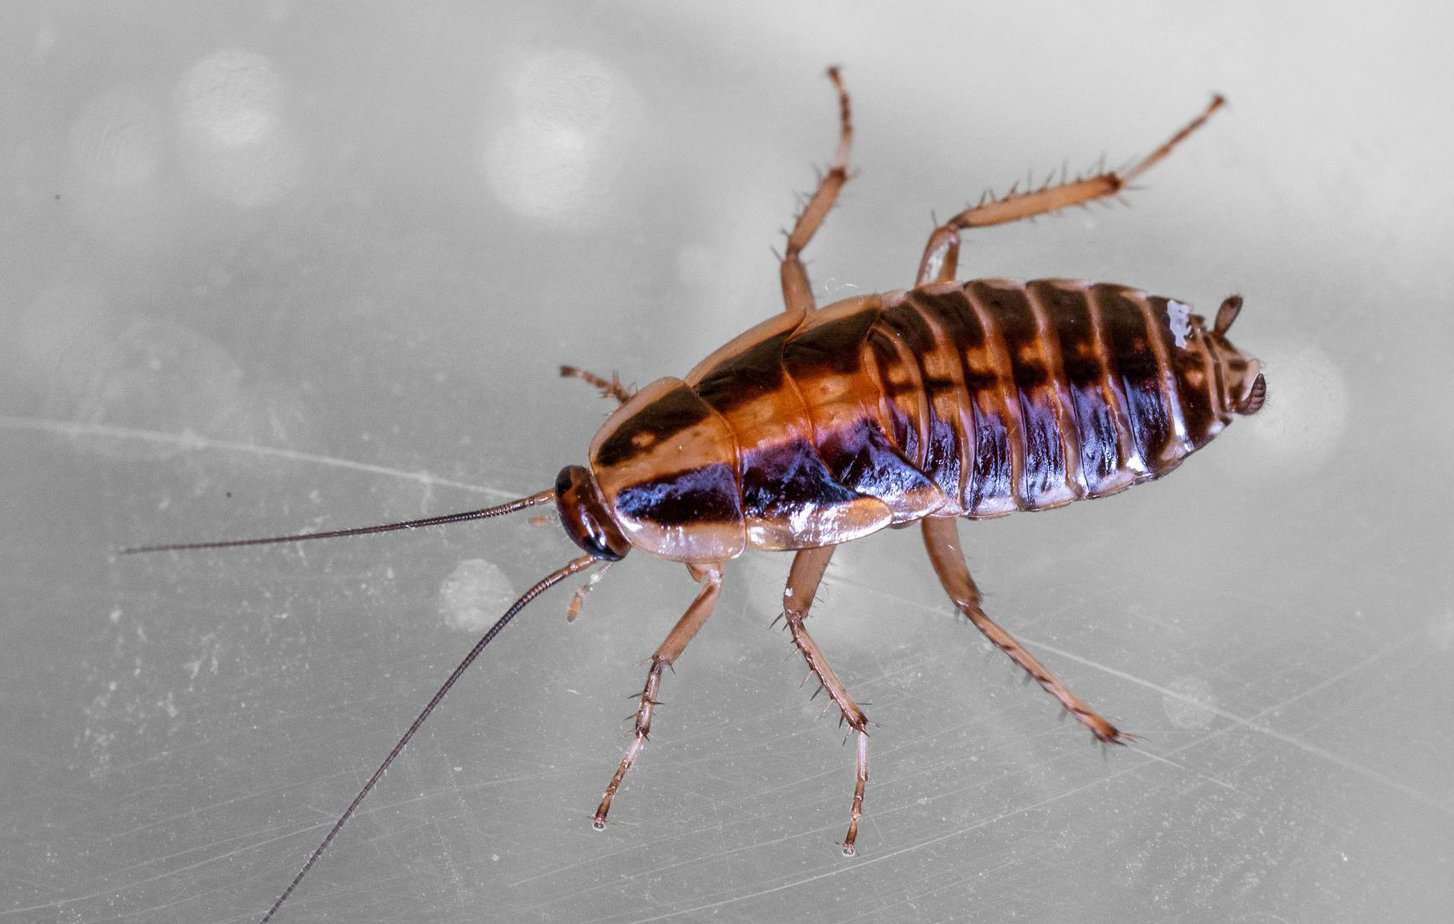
<point>803,578</point>
<point>670,650</point>
<point>941,538</point>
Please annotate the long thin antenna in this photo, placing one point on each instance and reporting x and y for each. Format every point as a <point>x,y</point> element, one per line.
<point>534,500</point>
<point>544,584</point>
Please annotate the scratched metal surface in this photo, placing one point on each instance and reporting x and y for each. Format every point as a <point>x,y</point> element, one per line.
<point>273,269</point>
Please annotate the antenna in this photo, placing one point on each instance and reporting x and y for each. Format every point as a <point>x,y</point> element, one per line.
<point>534,500</point>
<point>544,584</point>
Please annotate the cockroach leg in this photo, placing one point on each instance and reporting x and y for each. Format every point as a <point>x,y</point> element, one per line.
<point>797,291</point>
<point>610,388</point>
<point>941,256</point>
<point>942,252</point>
<point>941,538</point>
<point>671,649</point>
<point>578,599</point>
<point>803,579</point>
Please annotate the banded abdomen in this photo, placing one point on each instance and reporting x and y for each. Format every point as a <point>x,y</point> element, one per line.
<point>1047,391</point>
<point>971,399</point>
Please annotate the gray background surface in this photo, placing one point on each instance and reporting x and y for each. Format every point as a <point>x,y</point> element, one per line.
<point>284,266</point>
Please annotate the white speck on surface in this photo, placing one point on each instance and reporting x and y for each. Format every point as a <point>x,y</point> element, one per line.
<point>474,595</point>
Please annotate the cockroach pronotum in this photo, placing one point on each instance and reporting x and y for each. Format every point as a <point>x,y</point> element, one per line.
<point>823,425</point>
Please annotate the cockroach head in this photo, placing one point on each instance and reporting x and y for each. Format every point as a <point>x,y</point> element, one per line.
<point>585,516</point>
<point>1244,388</point>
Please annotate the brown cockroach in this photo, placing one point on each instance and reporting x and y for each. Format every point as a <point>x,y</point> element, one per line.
<point>820,426</point>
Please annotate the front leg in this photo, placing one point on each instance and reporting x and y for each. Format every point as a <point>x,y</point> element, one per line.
<point>671,649</point>
<point>797,292</point>
<point>803,579</point>
<point>941,538</point>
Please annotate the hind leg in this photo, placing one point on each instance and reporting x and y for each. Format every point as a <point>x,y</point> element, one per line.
<point>803,578</point>
<point>941,538</point>
<point>941,254</point>
<point>666,654</point>
<point>797,292</point>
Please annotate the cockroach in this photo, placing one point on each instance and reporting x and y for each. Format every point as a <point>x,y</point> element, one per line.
<point>823,425</point>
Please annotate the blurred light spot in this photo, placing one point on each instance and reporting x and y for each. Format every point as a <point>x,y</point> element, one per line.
<point>89,363</point>
<point>1306,411</point>
<point>474,595</point>
<point>230,98</point>
<point>117,153</point>
<point>1192,706</point>
<point>117,139</point>
<point>229,108</point>
<point>59,337</point>
<point>158,375</point>
<point>557,154</point>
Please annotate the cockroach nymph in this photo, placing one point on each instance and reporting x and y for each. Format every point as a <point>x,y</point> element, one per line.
<point>823,425</point>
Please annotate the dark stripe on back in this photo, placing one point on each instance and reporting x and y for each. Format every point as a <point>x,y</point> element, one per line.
<point>1085,376</point>
<point>783,481</point>
<point>830,347</point>
<point>673,412</point>
<point>900,392</point>
<point>961,325</point>
<point>1133,362</point>
<point>860,458</point>
<point>745,377</point>
<point>703,495</point>
<point>1042,478</point>
<point>999,450</point>
<point>946,446</point>
<point>1048,322</point>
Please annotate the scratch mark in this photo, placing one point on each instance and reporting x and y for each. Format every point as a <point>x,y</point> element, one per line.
<point>857,867</point>
<point>194,441</point>
<point>1254,724</point>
